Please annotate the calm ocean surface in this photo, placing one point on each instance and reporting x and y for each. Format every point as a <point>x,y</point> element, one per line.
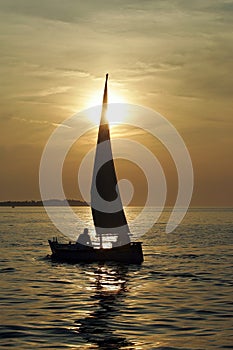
<point>180,298</point>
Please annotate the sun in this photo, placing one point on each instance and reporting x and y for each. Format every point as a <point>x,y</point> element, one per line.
<point>116,111</point>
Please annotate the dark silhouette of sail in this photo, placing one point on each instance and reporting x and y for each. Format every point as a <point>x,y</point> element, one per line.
<point>104,191</point>
<point>108,216</point>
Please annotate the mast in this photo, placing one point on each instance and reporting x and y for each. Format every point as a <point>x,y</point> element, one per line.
<point>104,185</point>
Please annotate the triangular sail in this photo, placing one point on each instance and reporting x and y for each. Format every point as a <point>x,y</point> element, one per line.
<point>107,210</point>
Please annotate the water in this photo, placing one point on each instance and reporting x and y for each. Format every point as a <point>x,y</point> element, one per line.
<point>180,298</point>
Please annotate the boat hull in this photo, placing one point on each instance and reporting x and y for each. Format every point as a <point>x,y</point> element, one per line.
<point>72,253</point>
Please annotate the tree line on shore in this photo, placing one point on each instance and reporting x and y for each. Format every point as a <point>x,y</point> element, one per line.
<point>50,202</point>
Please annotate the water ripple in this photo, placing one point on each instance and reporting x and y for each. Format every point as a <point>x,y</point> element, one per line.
<point>180,298</point>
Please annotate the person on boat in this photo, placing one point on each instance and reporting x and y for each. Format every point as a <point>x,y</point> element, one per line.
<point>84,238</point>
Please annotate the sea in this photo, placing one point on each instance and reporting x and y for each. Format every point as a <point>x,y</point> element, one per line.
<point>181,297</point>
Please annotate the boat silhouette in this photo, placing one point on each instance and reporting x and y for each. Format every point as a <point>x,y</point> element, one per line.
<point>109,218</point>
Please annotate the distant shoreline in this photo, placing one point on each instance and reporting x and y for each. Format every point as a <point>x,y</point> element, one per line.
<point>51,202</point>
<point>78,203</point>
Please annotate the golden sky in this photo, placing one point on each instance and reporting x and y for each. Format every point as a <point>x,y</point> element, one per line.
<point>174,56</point>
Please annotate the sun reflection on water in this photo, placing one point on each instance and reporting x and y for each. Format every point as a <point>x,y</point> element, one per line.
<point>108,284</point>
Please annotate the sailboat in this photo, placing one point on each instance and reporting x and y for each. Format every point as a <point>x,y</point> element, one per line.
<point>109,220</point>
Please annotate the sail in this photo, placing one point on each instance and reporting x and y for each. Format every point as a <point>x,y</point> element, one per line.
<point>107,210</point>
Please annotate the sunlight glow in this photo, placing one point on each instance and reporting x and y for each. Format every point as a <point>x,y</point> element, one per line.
<point>113,97</point>
<point>116,112</point>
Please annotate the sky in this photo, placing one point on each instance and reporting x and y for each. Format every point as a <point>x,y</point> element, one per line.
<point>172,56</point>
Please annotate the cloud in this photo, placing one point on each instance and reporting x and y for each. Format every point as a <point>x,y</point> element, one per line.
<point>42,122</point>
<point>69,11</point>
<point>52,9</point>
<point>53,91</point>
